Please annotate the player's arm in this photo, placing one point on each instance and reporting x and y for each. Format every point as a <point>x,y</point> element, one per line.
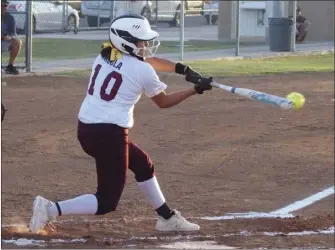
<point>164,100</point>
<point>161,65</point>
<point>164,65</point>
<point>155,89</point>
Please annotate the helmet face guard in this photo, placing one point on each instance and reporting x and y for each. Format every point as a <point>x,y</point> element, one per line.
<point>151,48</point>
<point>127,31</point>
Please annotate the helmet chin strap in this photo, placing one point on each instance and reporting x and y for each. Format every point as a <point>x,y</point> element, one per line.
<point>130,51</point>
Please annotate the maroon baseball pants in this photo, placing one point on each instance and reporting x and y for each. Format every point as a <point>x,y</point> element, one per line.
<point>109,145</point>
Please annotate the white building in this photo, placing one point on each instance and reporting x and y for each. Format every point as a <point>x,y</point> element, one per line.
<point>254,16</point>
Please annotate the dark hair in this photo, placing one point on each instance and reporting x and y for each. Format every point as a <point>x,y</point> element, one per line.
<point>106,52</point>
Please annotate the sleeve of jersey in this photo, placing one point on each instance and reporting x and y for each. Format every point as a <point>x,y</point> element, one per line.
<point>151,83</point>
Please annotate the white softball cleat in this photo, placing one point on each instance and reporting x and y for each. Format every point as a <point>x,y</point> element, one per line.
<point>40,214</point>
<point>175,223</point>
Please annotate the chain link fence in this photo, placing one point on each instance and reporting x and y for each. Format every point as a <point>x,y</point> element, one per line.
<point>67,34</point>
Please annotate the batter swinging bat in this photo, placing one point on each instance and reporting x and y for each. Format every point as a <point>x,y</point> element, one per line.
<point>257,96</point>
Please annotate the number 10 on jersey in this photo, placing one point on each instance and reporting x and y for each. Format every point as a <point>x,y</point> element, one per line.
<point>112,75</point>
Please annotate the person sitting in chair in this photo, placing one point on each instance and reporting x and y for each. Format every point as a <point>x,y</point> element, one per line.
<point>9,40</point>
<point>302,26</point>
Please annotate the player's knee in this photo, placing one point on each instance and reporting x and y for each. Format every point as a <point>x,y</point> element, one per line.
<point>105,204</point>
<point>16,42</point>
<point>140,164</point>
<point>146,173</point>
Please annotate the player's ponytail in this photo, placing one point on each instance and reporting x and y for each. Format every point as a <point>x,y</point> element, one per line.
<point>109,52</point>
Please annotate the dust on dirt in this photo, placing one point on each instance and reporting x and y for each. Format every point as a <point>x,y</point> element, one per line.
<point>214,154</point>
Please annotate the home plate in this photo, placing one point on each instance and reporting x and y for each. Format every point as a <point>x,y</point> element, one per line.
<point>195,245</point>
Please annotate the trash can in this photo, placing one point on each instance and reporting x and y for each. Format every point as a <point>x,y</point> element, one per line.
<point>280,32</point>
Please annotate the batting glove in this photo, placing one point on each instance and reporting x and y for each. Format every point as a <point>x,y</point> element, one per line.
<point>203,84</point>
<point>187,71</point>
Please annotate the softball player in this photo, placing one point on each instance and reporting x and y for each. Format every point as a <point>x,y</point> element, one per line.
<point>120,75</point>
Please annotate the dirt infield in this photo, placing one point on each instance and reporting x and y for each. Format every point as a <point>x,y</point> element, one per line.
<point>214,154</point>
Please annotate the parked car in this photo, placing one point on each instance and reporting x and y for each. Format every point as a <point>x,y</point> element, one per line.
<point>168,11</point>
<point>193,6</point>
<point>211,11</point>
<point>47,15</point>
<point>165,11</point>
<point>104,10</point>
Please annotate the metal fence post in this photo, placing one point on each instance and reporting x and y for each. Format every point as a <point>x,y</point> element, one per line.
<point>149,13</point>
<point>63,17</point>
<point>128,6</point>
<point>237,47</point>
<point>112,5</point>
<point>156,13</point>
<point>278,8</point>
<point>28,47</point>
<point>210,13</point>
<point>98,14</point>
<point>66,15</point>
<point>182,29</point>
<point>294,17</point>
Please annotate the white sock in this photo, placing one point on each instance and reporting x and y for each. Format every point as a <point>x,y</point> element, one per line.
<point>85,204</point>
<point>152,191</point>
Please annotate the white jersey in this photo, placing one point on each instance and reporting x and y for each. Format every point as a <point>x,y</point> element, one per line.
<point>114,89</point>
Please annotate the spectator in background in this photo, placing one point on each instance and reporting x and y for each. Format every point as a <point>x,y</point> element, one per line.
<point>302,26</point>
<point>9,40</point>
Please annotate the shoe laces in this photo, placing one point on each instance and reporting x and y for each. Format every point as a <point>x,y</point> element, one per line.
<point>179,216</point>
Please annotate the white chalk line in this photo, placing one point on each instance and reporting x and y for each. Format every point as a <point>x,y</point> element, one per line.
<point>284,212</point>
<point>187,244</point>
<point>305,202</point>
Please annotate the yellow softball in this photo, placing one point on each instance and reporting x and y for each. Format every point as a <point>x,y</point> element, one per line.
<point>297,99</point>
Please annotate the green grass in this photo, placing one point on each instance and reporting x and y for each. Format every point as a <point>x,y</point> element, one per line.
<point>289,64</point>
<point>221,68</point>
<point>54,49</point>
